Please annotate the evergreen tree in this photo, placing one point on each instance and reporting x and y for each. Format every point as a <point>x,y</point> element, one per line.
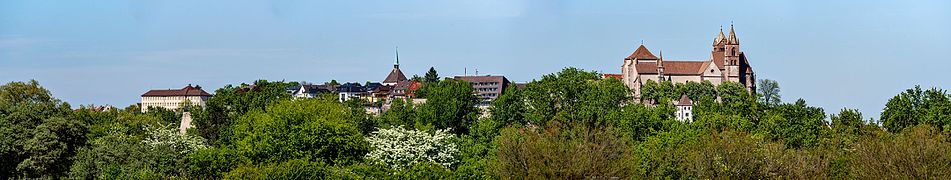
<point>432,76</point>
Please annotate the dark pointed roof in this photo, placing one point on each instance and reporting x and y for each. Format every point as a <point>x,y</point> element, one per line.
<point>684,101</point>
<point>720,37</point>
<point>186,91</point>
<point>395,76</point>
<point>642,53</point>
<point>732,39</point>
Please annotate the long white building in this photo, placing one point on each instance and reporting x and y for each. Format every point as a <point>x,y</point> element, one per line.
<point>173,98</point>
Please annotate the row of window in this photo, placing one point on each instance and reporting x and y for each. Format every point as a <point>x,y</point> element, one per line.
<point>160,104</point>
<point>485,83</point>
<point>160,98</point>
<point>487,89</point>
<point>489,95</point>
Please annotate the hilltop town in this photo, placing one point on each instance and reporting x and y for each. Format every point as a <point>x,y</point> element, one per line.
<point>712,118</point>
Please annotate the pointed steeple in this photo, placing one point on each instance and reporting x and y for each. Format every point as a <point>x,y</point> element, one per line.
<point>396,75</point>
<point>642,54</point>
<point>397,63</point>
<point>720,38</point>
<point>732,39</point>
<point>660,62</point>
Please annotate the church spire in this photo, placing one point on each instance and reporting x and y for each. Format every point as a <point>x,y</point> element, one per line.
<point>720,37</point>
<point>397,63</point>
<point>732,39</point>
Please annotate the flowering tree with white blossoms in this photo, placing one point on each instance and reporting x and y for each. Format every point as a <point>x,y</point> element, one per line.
<point>165,136</point>
<point>399,147</point>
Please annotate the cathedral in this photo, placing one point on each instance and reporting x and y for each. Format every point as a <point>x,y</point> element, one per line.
<point>727,63</point>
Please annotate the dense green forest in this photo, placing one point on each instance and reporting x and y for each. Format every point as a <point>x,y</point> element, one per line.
<point>567,125</point>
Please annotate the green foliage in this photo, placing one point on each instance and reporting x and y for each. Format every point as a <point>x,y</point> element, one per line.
<point>311,129</point>
<point>165,116</point>
<point>639,121</point>
<point>290,169</point>
<point>121,155</point>
<point>661,155</point>
<point>573,95</point>
<point>570,124</point>
<point>37,134</point>
<point>704,91</point>
<point>431,76</point>
<point>358,115</point>
<point>231,102</point>
<point>914,107</point>
<point>509,108</point>
<point>450,104</point>
<point>401,113</point>
<point>848,121</point>
<point>920,152</point>
<point>769,90</point>
<point>562,152</point>
<point>797,124</point>
<point>53,142</point>
<point>212,163</point>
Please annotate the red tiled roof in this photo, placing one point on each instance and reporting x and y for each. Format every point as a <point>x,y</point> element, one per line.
<point>395,76</point>
<point>407,87</point>
<point>718,59</point>
<point>684,101</point>
<point>615,76</point>
<point>186,91</point>
<point>673,67</point>
<point>642,53</point>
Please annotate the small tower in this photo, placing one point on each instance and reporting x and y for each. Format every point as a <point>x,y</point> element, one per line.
<point>731,56</point>
<point>660,67</point>
<point>684,109</point>
<point>719,41</point>
<point>396,75</point>
<point>396,64</point>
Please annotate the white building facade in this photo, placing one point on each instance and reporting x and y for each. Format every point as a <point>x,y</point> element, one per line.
<point>173,99</point>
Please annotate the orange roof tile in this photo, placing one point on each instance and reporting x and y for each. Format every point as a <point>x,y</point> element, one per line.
<point>615,76</point>
<point>642,53</point>
<point>673,67</point>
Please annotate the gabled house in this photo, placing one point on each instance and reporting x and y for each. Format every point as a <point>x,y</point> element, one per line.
<point>309,91</point>
<point>351,91</point>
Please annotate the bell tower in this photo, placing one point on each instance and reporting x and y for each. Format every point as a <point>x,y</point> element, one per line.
<point>731,56</point>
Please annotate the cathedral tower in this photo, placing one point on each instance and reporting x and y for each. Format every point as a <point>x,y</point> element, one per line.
<point>731,56</point>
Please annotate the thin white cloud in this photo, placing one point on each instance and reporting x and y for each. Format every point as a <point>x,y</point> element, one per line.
<point>16,42</point>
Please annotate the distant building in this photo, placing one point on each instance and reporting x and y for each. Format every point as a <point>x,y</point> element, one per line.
<point>377,92</point>
<point>520,86</point>
<point>405,89</point>
<point>684,109</point>
<point>727,63</point>
<point>186,123</point>
<point>173,98</point>
<point>488,88</point>
<point>349,91</point>
<point>396,75</point>
<point>309,91</point>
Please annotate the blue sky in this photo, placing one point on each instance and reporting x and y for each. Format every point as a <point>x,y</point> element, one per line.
<point>854,54</point>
